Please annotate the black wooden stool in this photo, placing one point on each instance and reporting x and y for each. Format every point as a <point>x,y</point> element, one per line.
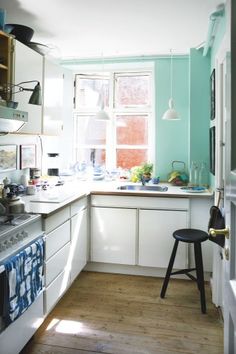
<point>190,236</point>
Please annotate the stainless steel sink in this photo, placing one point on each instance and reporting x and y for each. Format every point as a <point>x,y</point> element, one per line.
<point>133,187</point>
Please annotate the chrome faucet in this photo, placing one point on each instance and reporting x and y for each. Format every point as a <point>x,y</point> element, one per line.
<point>143,180</point>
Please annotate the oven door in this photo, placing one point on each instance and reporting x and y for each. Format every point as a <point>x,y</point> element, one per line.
<point>21,281</point>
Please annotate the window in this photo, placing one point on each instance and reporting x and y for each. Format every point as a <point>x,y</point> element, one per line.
<point>126,139</point>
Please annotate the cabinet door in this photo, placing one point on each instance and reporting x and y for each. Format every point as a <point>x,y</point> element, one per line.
<point>79,250</point>
<point>5,63</point>
<point>28,65</point>
<point>113,234</point>
<point>156,240</point>
<point>53,98</point>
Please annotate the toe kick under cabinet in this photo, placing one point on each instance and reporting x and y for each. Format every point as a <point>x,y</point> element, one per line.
<point>133,230</point>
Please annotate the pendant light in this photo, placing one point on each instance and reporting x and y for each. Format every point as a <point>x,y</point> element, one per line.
<point>171,113</point>
<point>102,114</point>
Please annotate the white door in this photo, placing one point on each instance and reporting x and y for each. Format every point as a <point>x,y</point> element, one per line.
<point>230,200</point>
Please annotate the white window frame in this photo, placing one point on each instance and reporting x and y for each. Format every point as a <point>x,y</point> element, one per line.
<point>93,70</point>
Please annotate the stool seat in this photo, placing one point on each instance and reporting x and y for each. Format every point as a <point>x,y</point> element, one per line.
<point>196,237</point>
<point>190,235</point>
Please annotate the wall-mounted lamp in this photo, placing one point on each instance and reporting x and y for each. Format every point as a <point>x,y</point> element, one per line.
<point>171,113</point>
<point>36,96</point>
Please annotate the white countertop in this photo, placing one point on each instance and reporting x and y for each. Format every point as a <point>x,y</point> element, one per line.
<point>46,202</point>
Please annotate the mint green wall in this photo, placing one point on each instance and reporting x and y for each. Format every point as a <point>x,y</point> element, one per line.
<point>199,106</point>
<point>171,136</point>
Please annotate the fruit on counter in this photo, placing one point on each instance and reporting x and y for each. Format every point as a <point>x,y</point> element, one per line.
<point>178,178</point>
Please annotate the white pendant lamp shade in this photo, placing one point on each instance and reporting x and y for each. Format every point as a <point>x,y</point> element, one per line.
<point>171,113</point>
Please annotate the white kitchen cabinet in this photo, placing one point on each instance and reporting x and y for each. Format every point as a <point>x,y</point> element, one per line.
<point>156,240</point>
<point>52,98</point>
<point>79,237</point>
<point>154,219</point>
<point>113,235</point>
<point>57,256</point>
<point>28,66</point>
<point>199,215</point>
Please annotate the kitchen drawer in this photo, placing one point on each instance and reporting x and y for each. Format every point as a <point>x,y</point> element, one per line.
<point>56,264</point>
<point>78,205</point>
<point>55,290</point>
<point>168,203</point>
<point>57,239</point>
<point>56,219</point>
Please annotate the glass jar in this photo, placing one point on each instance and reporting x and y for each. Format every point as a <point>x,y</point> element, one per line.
<point>193,175</point>
<point>203,175</point>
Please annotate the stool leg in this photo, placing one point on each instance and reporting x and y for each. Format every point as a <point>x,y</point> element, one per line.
<point>169,269</point>
<point>200,274</point>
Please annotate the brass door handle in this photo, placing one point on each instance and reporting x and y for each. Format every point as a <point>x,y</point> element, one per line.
<point>215,232</point>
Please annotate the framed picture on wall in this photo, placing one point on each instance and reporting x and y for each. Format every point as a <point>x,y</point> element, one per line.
<point>212,150</point>
<point>27,156</point>
<point>8,157</point>
<point>213,99</point>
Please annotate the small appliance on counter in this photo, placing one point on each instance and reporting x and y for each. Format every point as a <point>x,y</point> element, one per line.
<point>53,164</point>
<point>11,199</point>
<point>35,174</point>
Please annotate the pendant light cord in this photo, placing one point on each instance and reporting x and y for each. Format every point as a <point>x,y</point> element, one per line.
<point>171,74</point>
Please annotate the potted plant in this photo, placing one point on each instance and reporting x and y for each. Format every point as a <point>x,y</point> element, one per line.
<point>146,171</point>
<point>142,173</point>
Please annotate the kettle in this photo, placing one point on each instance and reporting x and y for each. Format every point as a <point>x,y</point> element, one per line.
<point>15,205</point>
<point>12,201</point>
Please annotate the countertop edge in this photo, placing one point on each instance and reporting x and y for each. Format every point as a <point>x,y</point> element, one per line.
<point>80,191</point>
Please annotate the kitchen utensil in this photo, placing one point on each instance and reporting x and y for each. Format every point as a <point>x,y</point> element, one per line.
<point>12,104</point>
<point>15,206</point>
<point>178,176</point>
<point>194,189</point>
<point>23,33</point>
<point>39,47</point>
<point>31,189</point>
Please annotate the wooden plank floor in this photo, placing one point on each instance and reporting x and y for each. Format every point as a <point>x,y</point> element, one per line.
<point>119,314</point>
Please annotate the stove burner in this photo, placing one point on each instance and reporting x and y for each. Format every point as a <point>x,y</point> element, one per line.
<point>4,219</point>
<point>13,219</point>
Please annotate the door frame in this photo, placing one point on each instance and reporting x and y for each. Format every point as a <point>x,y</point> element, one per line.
<point>220,61</point>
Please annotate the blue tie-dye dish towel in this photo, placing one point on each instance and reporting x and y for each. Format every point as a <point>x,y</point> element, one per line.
<point>24,280</point>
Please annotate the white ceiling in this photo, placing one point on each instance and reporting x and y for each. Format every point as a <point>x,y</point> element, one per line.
<point>91,28</point>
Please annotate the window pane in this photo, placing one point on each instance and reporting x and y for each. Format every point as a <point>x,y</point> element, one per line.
<point>127,158</point>
<point>91,93</point>
<point>132,130</point>
<point>90,131</point>
<point>132,90</point>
